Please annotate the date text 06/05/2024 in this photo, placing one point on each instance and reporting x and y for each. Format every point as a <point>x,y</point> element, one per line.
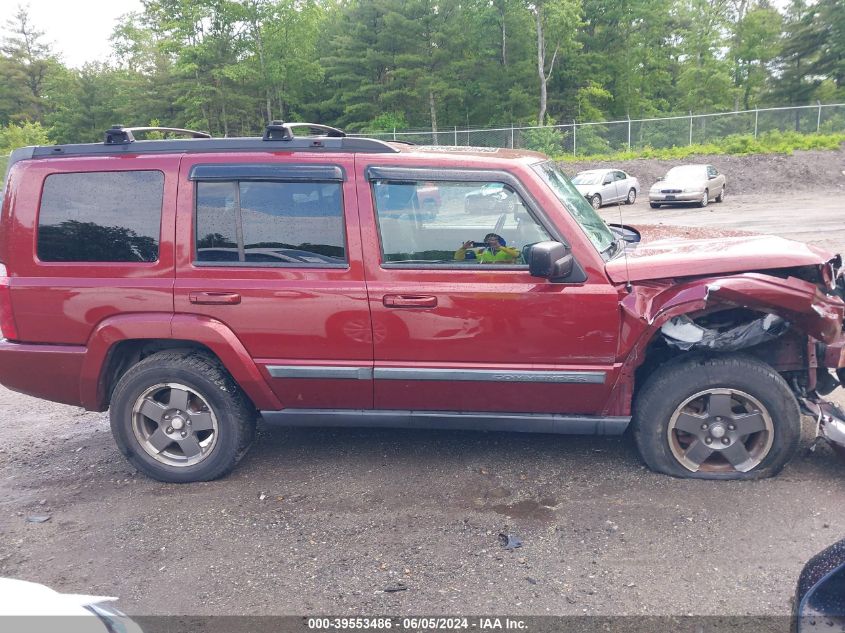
<point>415,623</point>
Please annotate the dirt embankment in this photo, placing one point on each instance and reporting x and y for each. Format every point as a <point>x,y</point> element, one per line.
<point>815,170</point>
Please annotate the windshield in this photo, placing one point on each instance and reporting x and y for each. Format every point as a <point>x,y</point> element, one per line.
<point>587,178</point>
<point>578,207</point>
<point>685,172</point>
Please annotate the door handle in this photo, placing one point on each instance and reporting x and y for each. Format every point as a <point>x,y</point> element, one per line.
<point>215,298</point>
<point>410,301</point>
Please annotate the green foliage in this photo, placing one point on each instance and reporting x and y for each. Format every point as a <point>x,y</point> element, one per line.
<point>775,142</point>
<point>227,66</point>
<point>548,140</point>
<point>15,135</point>
<point>387,122</point>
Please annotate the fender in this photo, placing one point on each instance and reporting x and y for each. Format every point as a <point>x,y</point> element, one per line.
<point>649,306</point>
<point>231,352</point>
<point>109,332</point>
<point>164,325</point>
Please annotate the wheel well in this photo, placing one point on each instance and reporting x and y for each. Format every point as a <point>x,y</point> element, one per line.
<point>785,354</point>
<point>125,354</point>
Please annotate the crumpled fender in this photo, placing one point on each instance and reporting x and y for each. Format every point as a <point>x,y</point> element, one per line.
<point>800,302</point>
<point>651,304</point>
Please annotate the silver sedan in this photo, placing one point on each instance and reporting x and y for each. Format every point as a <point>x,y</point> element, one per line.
<point>688,184</point>
<point>603,186</point>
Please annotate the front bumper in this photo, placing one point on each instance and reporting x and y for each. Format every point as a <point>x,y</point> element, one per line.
<point>695,196</point>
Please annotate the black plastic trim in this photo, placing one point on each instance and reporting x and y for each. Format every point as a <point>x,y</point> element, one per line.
<point>452,420</point>
<point>490,375</point>
<point>266,171</point>
<point>22,153</point>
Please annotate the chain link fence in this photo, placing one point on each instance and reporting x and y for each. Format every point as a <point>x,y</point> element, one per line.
<point>601,137</point>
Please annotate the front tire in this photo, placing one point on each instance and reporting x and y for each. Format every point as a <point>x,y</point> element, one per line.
<point>632,196</point>
<point>179,417</point>
<point>722,417</point>
<point>596,201</point>
<point>654,205</point>
<point>705,199</point>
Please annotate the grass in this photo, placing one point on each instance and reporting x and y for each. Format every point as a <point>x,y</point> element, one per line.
<point>775,142</point>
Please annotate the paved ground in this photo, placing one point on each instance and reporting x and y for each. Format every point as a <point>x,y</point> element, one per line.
<point>325,521</point>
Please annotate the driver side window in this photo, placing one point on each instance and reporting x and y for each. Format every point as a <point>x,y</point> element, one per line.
<point>426,223</point>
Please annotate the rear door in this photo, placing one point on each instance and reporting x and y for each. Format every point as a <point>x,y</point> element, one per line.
<point>269,246</point>
<point>623,184</point>
<point>608,188</point>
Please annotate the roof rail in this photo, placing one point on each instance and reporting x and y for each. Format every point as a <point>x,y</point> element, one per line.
<point>281,131</point>
<point>117,134</point>
<point>121,140</point>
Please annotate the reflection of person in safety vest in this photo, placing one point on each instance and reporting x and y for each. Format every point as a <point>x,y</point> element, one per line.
<point>495,252</point>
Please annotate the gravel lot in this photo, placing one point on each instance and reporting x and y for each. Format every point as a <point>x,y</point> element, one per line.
<point>325,521</point>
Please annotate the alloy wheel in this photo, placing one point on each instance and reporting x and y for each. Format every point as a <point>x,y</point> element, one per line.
<point>174,424</point>
<point>720,430</point>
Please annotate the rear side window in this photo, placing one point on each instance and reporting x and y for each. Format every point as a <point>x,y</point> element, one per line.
<point>270,223</point>
<point>101,217</point>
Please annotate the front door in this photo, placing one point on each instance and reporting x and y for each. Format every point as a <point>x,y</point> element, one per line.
<point>459,324</point>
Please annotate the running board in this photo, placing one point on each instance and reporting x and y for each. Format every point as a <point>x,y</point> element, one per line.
<point>476,421</point>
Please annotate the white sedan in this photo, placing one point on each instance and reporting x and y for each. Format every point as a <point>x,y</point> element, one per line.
<point>603,186</point>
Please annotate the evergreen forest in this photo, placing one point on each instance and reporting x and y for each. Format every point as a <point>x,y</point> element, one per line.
<point>229,66</point>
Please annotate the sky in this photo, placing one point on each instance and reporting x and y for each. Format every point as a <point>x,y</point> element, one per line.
<point>78,31</point>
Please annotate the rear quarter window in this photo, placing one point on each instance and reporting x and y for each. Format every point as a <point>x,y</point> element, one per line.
<point>100,217</point>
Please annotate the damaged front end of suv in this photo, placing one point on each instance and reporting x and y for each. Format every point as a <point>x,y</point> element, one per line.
<point>728,295</point>
<point>817,312</point>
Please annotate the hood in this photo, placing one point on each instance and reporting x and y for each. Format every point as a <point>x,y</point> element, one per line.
<point>585,190</point>
<point>665,252</point>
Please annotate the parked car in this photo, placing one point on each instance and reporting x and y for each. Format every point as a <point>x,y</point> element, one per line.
<point>603,186</point>
<point>688,184</point>
<point>819,603</point>
<point>364,315</point>
<point>491,197</point>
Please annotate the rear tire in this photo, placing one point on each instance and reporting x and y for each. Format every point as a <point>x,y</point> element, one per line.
<point>722,417</point>
<point>180,417</point>
<point>721,196</point>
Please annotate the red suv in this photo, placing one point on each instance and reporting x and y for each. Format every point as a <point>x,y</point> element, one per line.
<point>192,285</point>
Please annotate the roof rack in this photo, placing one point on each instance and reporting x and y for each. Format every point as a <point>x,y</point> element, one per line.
<point>281,131</point>
<point>117,134</point>
<point>121,140</point>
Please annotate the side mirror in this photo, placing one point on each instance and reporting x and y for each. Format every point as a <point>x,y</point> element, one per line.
<point>551,260</point>
<point>607,181</point>
<point>712,177</point>
<point>821,586</point>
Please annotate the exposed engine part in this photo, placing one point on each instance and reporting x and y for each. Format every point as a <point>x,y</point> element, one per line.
<point>683,333</point>
<point>831,420</point>
<point>825,382</point>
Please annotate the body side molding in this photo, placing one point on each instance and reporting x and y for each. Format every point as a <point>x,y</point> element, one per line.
<point>453,420</point>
